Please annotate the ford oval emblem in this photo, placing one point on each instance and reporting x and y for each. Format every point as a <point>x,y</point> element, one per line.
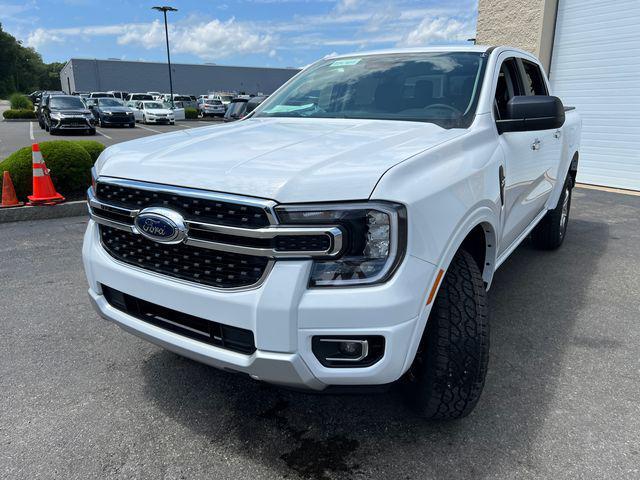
<point>161,225</point>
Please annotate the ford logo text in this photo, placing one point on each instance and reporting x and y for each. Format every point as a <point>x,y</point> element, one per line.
<point>161,225</point>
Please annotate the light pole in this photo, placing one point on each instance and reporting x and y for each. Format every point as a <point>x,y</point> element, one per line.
<point>164,10</point>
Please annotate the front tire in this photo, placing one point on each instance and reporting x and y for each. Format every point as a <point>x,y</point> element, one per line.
<point>550,232</point>
<point>448,373</point>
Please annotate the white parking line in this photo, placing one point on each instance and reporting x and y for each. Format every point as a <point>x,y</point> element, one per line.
<point>183,126</point>
<point>31,131</point>
<point>150,129</point>
<point>103,134</point>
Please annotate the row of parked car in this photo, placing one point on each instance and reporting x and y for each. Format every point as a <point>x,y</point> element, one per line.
<point>57,111</point>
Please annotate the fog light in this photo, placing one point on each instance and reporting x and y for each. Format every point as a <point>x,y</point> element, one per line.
<point>351,349</point>
<point>340,351</point>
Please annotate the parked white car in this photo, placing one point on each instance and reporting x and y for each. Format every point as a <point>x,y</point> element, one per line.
<point>346,232</point>
<point>225,98</point>
<point>178,112</point>
<point>132,101</point>
<point>155,112</point>
<point>211,108</point>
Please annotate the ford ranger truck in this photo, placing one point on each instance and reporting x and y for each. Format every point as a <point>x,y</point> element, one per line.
<point>346,232</point>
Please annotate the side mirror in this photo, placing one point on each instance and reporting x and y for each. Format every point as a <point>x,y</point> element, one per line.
<point>535,112</point>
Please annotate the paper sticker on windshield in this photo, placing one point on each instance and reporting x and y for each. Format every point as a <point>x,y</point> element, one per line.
<point>346,62</point>
<point>288,108</point>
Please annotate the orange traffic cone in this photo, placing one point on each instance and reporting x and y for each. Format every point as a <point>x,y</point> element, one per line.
<point>9,198</point>
<point>44,193</point>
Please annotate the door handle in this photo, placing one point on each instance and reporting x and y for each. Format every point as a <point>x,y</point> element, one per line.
<point>557,134</point>
<point>536,144</point>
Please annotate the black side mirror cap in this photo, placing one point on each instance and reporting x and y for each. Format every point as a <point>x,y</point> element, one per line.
<point>534,112</point>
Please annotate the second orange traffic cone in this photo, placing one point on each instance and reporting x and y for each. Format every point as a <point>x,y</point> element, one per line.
<point>44,193</point>
<point>9,198</point>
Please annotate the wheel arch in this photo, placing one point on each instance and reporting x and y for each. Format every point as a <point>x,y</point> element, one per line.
<point>479,232</point>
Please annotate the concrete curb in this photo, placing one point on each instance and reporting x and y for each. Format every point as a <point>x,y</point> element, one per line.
<point>19,119</point>
<point>21,214</point>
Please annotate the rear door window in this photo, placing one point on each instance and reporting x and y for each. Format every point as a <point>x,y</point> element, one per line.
<point>533,79</point>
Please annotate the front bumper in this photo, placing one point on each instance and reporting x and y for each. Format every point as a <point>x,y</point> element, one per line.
<point>282,313</point>
<point>161,120</point>
<point>80,123</point>
<point>118,120</point>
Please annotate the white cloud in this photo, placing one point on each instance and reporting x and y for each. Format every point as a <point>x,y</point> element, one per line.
<point>216,39</point>
<point>347,5</point>
<point>207,40</point>
<point>347,25</point>
<point>40,37</point>
<point>437,29</point>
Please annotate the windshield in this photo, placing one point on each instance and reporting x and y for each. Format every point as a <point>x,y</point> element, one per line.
<point>153,105</point>
<point>66,103</point>
<point>141,96</point>
<point>109,102</point>
<point>440,88</point>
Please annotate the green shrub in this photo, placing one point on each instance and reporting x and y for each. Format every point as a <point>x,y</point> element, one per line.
<point>20,102</point>
<point>190,113</point>
<point>93,147</point>
<point>13,114</point>
<point>70,165</point>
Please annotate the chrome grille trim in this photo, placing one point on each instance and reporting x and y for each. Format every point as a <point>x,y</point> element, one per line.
<point>266,205</point>
<point>97,210</point>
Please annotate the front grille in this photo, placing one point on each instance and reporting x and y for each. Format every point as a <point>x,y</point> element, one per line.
<point>200,265</point>
<point>196,209</point>
<point>207,331</point>
<point>73,122</point>
<point>302,243</point>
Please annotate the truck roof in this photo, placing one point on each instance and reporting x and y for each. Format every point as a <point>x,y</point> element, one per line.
<point>443,48</point>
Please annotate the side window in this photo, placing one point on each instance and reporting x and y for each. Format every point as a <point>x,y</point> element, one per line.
<point>508,86</point>
<point>533,79</point>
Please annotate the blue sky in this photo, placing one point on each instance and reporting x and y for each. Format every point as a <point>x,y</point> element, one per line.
<point>275,33</point>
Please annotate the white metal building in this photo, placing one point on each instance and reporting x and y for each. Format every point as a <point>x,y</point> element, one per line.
<point>591,49</point>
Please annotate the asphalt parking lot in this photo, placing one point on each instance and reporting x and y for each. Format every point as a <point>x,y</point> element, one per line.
<point>82,399</point>
<point>15,135</point>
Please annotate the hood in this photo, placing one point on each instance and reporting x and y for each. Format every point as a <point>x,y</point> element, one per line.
<point>115,109</point>
<point>71,112</point>
<point>161,111</point>
<point>284,159</point>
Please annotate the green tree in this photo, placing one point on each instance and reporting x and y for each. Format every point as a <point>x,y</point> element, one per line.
<point>22,68</point>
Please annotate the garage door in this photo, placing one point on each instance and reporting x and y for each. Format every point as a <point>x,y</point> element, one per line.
<point>595,67</point>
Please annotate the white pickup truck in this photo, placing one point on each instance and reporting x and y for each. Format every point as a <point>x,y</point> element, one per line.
<point>347,231</point>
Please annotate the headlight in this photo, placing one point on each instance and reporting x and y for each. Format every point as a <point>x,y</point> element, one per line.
<point>108,113</point>
<point>374,240</point>
<point>56,115</point>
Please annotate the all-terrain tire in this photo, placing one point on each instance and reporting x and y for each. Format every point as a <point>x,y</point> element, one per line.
<point>447,376</point>
<point>552,229</point>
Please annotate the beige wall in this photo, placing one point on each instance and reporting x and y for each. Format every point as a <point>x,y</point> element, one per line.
<point>526,24</point>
